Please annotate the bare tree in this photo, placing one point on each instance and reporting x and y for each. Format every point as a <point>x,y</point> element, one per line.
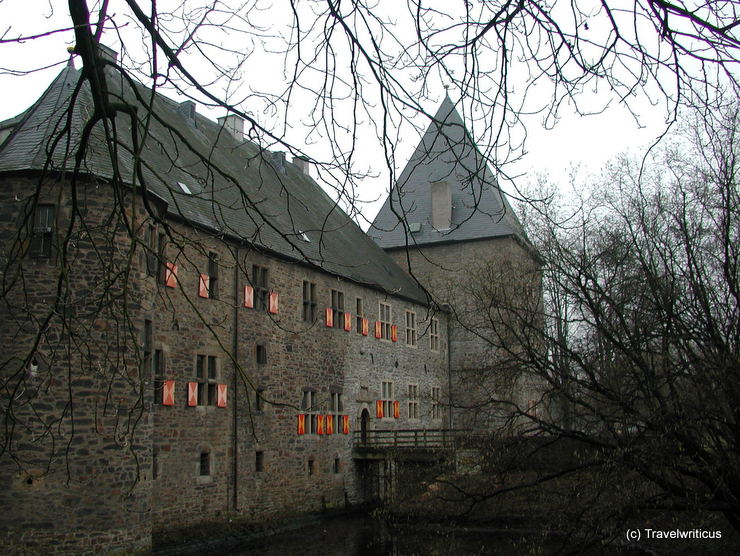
<point>639,344</point>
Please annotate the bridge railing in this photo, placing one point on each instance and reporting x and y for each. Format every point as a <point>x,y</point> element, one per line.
<point>409,438</point>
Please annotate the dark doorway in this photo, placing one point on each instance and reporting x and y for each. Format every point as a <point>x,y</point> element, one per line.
<point>364,420</point>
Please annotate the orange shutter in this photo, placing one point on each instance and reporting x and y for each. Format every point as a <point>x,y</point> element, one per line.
<point>396,410</point>
<point>378,328</point>
<point>365,327</point>
<point>168,392</point>
<point>203,285</point>
<point>301,423</point>
<point>345,424</point>
<point>319,424</point>
<point>330,424</point>
<point>170,275</point>
<point>379,409</point>
<point>249,297</point>
<point>273,303</point>
<point>329,317</point>
<point>347,322</point>
<point>221,395</point>
<point>394,333</point>
<point>192,393</point>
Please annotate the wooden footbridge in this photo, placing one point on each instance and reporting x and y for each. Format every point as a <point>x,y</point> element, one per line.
<point>378,444</point>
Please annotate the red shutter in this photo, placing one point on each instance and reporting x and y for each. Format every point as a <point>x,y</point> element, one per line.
<point>329,317</point>
<point>345,424</point>
<point>203,285</point>
<point>221,395</point>
<point>170,275</point>
<point>330,424</point>
<point>301,423</point>
<point>347,322</point>
<point>168,392</point>
<point>379,409</point>
<point>365,327</point>
<point>249,297</point>
<point>319,424</point>
<point>273,303</point>
<point>394,333</point>
<point>192,393</point>
<point>378,328</point>
<point>396,410</point>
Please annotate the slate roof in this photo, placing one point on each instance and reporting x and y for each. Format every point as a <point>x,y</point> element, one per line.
<point>446,153</point>
<point>240,192</point>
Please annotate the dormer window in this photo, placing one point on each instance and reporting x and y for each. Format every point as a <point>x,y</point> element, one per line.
<point>304,237</point>
<point>185,188</point>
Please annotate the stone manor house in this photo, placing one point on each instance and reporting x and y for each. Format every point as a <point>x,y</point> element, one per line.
<point>194,331</point>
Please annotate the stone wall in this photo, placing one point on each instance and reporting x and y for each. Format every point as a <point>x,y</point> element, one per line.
<point>93,461</point>
<point>76,434</point>
<point>478,279</point>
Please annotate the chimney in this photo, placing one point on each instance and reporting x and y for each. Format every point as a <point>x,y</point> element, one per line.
<point>278,161</point>
<point>302,164</point>
<point>441,205</point>
<point>233,124</point>
<point>187,109</point>
<point>107,53</point>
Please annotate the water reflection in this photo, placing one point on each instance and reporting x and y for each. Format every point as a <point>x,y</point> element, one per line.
<point>364,535</point>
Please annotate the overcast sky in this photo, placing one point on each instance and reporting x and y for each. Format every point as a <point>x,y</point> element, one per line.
<point>587,141</point>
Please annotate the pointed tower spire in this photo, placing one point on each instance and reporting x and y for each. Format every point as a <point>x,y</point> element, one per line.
<point>446,192</point>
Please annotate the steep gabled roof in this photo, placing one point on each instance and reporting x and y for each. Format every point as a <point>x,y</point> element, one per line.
<point>446,153</point>
<point>239,191</point>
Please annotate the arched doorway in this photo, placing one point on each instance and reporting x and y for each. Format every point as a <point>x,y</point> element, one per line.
<point>364,421</point>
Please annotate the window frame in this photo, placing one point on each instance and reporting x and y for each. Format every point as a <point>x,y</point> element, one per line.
<point>337,308</point>
<point>359,314</point>
<point>309,301</point>
<point>207,376</point>
<point>413,401</point>
<point>411,330</point>
<point>434,340</point>
<point>310,408</point>
<point>436,406</point>
<point>385,310</point>
<point>42,231</point>
<point>386,397</point>
<point>212,275</point>
<point>261,286</point>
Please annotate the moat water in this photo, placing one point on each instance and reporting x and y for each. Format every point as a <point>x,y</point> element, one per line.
<point>364,535</point>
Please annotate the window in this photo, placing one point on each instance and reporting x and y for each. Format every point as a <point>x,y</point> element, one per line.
<point>310,408</point>
<point>259,283</point>
<point>434,335</point>
<point>159,370</point>
<point>436,404</point>
<point>150,250</point>
<point>413,402</point>
<point>42,232</point>
<point>162,257</point>
<point>337,306</point>
<point>309,301</point>
<point>337,467</point>
<point>205,464</point>
<point>259,400</point>
<point>337,406</point>
<point>386,396</point>
<point>410,328</point>
<point>261,354</point>
<point>213,275</point>
<point>206,375</point>
<point>384,316</point>
<point>259,461</point>
<point>147,345</point>
<point>360,314</point>
<point>311,466</point>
